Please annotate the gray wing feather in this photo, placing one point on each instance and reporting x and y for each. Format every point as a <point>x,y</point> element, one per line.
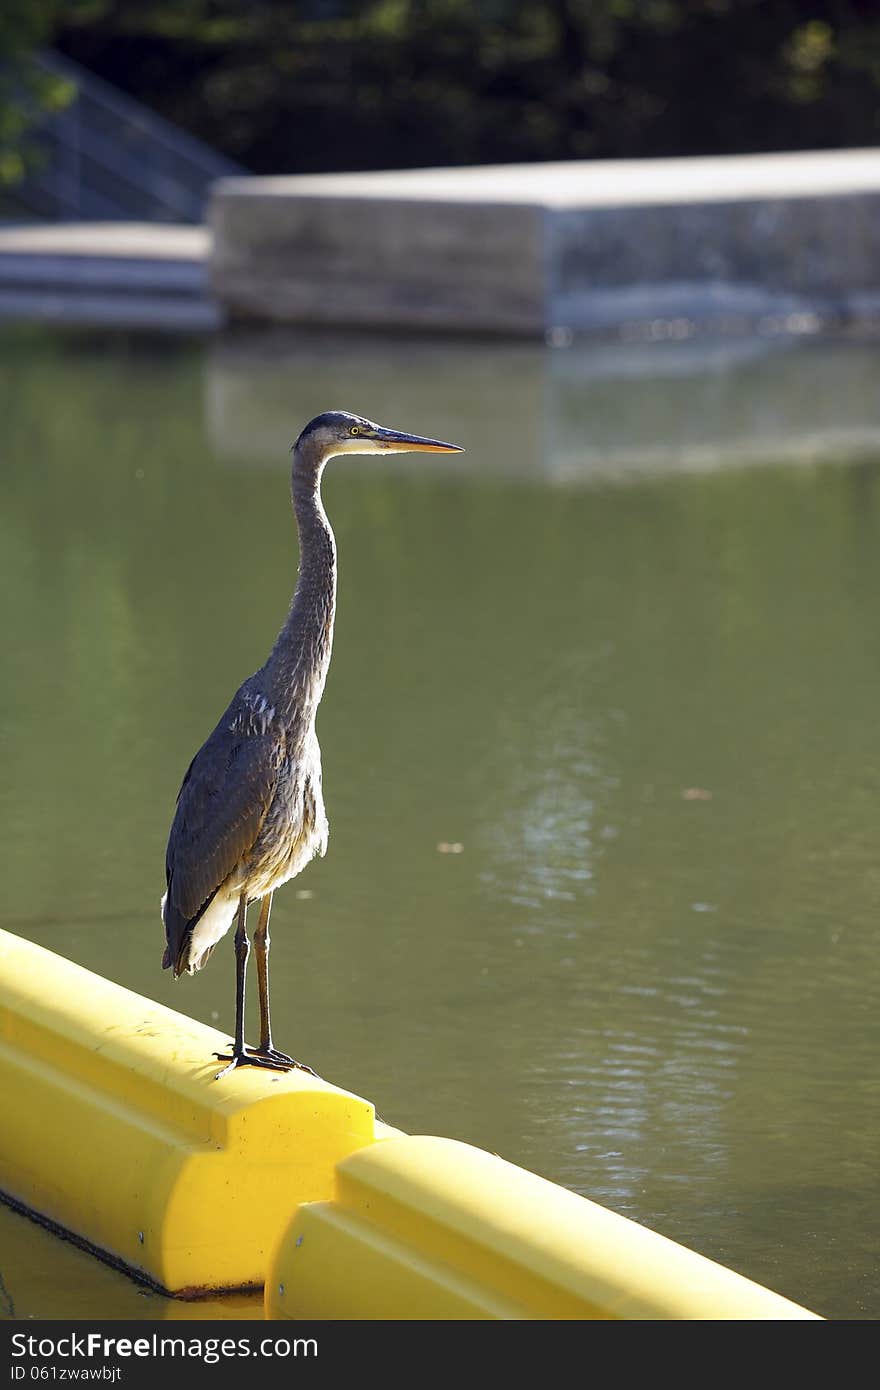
<point>221,807</point>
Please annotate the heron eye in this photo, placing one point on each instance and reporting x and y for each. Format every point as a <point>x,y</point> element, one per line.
<point>354,430</point>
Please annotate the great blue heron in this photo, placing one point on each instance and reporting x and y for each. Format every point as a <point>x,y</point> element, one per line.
<point>250,812</point>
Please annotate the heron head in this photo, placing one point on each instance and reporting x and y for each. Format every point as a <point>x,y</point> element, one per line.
<point>339,432</point>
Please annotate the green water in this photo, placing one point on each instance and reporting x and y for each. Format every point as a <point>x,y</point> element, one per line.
<point>625,653</point>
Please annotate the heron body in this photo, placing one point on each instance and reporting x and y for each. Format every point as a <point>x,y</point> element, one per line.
<point>250,811</point>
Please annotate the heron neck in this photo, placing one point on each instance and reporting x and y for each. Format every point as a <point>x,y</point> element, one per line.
<point>297,667</point>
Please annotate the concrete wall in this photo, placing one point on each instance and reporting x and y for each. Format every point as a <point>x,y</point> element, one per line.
<point>525,249</point>
<point>376,261</point>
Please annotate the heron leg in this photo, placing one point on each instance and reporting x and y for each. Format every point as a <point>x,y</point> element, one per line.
<point>240,1057</point>
<point>261,946</point>
<point>262,942</point>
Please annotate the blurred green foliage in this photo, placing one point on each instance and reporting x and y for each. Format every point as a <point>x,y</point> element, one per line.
<point>285,85</point>
<point>26,94</point>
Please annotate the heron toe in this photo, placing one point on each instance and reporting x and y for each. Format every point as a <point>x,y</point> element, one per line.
<point>249,1059</point>
<point>281,1059</point>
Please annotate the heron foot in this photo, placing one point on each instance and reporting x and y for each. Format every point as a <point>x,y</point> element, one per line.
<point>280,1059</point>
<point>248,1059</point>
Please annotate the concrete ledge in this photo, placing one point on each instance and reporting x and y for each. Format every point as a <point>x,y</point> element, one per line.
<point>425,1228</point>
<point>112,241</point>
<point>522,249</point>
<point>162,313</point>
<point>114,1128</point>
<point>120,274</point>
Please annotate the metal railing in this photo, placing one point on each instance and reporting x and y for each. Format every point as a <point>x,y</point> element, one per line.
<point>106,157</point>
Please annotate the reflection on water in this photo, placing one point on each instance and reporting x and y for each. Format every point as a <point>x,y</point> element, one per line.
<point>586,412</point>
<point>648,714</point>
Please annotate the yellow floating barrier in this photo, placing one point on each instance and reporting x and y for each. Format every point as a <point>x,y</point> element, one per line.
<point>112,1127</point>
<point>425,1228</point>
<point>44,1277</point>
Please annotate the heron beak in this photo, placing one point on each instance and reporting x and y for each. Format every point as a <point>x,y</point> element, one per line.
<point>396,441</point>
